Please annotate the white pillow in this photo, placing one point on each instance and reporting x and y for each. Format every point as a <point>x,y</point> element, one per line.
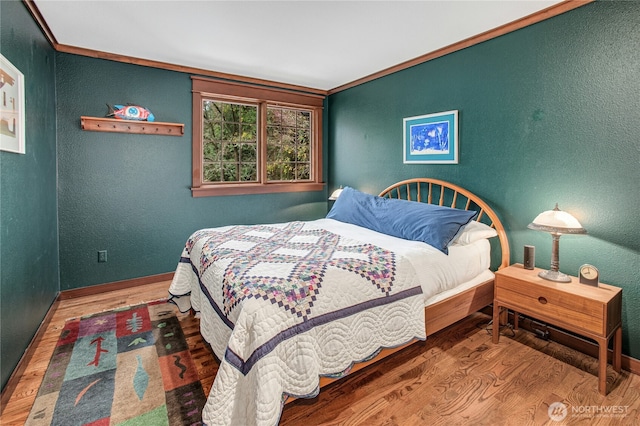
<point>472,232</point>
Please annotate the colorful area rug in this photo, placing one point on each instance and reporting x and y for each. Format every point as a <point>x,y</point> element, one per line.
<point>130,366</point>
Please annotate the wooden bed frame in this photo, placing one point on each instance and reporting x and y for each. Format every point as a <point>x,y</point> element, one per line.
<point>448,311</point>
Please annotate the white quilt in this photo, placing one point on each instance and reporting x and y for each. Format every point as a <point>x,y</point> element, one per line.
<point>284,304</point>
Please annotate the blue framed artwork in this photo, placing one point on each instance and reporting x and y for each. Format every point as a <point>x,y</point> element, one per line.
<point>431,138</point>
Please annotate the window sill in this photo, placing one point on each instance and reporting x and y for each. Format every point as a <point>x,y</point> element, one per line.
<point>254,188</point>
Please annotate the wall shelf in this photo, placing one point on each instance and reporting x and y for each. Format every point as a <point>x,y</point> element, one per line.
<point>97,124</point>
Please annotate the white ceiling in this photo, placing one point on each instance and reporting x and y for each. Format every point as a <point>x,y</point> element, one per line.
<point>317,44</point>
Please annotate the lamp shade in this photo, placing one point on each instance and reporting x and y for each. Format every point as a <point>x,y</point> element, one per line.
<point>557,221</point>
<point>335,194</point>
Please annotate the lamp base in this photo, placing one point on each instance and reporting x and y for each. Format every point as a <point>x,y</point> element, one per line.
<point>556,276</point>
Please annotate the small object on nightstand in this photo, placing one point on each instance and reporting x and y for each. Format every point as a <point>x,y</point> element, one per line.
<point>529,257</point>
<point>589,275</point>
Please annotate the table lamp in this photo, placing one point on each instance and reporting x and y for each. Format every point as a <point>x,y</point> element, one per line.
<point>556,222</point>
<point>335,194</point>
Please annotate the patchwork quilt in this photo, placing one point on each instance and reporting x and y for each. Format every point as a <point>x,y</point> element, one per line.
<point>286,303</point>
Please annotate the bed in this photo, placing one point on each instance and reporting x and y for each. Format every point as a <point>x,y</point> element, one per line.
<point>289,308</point>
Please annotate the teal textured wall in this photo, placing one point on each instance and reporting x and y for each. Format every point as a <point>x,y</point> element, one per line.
<point>28,218</point>
<point>130,194</point>
<point>547,114</point>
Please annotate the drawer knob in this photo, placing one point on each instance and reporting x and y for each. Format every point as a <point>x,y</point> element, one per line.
<point>542,300</point>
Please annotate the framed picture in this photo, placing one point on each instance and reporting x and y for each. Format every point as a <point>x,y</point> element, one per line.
<point>431,138</point>
<point>11,107</point>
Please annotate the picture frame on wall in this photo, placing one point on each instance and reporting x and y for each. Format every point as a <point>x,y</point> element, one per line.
<point>431,138</point>
<point>12,125</point>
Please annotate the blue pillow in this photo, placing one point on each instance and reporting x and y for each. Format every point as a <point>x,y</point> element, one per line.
<point>432,224</point>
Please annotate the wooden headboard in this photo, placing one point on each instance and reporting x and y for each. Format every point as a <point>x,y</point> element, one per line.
<point>434,191</point>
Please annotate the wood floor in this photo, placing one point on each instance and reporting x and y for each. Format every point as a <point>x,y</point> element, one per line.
<point>456,377</point>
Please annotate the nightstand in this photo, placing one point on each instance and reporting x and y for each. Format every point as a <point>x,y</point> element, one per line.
<point>593,312</point>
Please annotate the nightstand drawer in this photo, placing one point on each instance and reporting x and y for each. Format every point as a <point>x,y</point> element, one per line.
<point>568,309</point>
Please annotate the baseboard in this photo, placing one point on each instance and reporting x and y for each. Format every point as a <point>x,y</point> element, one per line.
<point>12,383</point>
<point>116,285</point>
<point>572,341</point>
<point>14,379</point>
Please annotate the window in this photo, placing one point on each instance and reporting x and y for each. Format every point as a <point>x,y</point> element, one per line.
<point>252,139</point>
<point>288,144</point>
<point>230,142</point>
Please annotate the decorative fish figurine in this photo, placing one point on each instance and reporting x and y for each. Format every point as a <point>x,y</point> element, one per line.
<point>130,112</point>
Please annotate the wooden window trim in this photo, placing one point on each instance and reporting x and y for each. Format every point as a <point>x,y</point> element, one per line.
<point>203,88</point>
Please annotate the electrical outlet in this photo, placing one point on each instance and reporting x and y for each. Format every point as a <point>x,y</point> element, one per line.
<point>102,256</point>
